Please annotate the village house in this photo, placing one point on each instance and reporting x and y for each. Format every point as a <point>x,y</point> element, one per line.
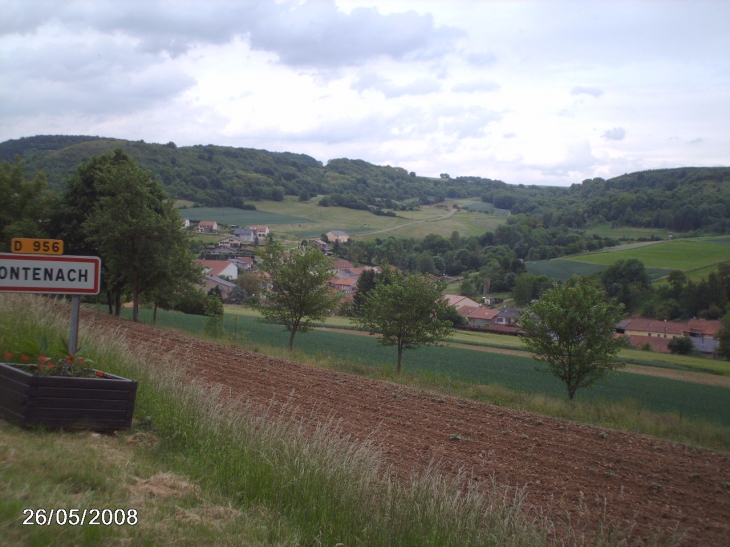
<point>640,326</point>
<point>244,235</point>
<point>321,244</point>
<point>207,226</point>
<point>243,263</point>
<point>261,232</point>
<point>220,268</point>
<point>482,317</point>
<point>507,317</point>
<point>346,285</point>
<point>460,301</point>
<point>224,286</point>
<point>337,236</point>
<point>341,265</point>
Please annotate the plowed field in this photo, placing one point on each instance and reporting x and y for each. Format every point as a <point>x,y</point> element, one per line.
<point>565,467</point>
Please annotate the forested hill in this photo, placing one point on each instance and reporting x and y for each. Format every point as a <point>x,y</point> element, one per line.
<point>684,199</point>
<point>220,175</point>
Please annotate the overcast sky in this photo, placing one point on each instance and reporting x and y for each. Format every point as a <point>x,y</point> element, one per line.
<point>547,92</point>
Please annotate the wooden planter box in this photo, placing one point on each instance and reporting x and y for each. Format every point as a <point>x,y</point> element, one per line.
<point>99,404</point>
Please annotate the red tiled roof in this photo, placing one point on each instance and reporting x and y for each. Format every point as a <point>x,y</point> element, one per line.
<point>342,264</point>
<point>642,324</point>
<point>466,310</point>
<point>343,281</point>
<point>484,313</point>
<point>215,266</point>
<point>705,326</point>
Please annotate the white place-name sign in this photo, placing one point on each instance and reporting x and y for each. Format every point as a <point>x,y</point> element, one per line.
<point>50,274</point>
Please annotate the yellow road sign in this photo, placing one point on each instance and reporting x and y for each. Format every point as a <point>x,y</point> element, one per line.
<point>27,245</point>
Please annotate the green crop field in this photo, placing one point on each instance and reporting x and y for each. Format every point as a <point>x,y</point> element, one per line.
<point>628,232</point>
<point>241,217</point>
<point>682,255</point>
<point>514,372</point>
<point>697,257</point>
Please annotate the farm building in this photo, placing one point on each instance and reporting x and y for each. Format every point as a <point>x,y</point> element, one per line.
<point>459,301</point>
<point>207,226</point>
<point>224,286</point>
<point>482,317</point>
<point>347,286</point>
<point>220,268</point>
<point>337,235</point>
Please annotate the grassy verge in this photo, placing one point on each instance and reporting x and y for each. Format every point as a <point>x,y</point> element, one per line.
<point>202,471</point>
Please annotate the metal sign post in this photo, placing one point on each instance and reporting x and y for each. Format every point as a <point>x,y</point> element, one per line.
<point>36,273</point>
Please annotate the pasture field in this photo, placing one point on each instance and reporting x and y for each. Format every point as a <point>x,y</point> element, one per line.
<point>514,372</point>
<point>241,217</point>
<point>296,220</point>
<point>628,232</point>
<point>686,254</point>
<point>561,268</point>
<point>483,207</point>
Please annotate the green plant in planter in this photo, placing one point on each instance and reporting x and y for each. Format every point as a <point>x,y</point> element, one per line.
<point>72,364</point>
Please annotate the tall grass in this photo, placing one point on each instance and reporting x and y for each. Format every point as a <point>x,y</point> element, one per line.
<point>313,481</point>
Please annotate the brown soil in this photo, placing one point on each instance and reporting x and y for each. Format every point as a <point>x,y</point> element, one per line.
<point>565,467</point>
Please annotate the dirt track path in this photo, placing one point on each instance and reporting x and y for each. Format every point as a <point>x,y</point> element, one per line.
<point>563,465</point>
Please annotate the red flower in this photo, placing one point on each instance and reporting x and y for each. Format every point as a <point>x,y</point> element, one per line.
<point>8,355</point>
<point>70,359</point>
<point>81,360</point>
<point>100,374</point>
<point>25,358</point>
<point>42,358</point>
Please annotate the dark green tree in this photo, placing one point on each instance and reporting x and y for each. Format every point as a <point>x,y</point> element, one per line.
<point>26,205</point>
<point>115,209</point>
<point>625,280</point>
<point>681,346</point>
<point>571,328</point>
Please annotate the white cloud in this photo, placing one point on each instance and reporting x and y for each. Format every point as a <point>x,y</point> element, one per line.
<point>475,86</point>
<point>615,134</point>
<point>398,81</point>
<point>582,90</point>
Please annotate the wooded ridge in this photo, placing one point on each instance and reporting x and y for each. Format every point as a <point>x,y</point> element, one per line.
<point>683,199</point>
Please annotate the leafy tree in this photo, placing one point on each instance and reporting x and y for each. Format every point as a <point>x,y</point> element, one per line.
<point>625,280</point>
<point>299,293</point>
<point>115,208</point>
<point>572,330</point>
<point>723,350</point>
<point>214,311</point>
<point>26,205</point>
<point>365,283</point>
<point>406,312</point>
<point>681,346</point>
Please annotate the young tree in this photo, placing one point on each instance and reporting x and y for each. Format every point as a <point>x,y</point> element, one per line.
<point>405,311</point>
<point>298,293</point>
<point>572,330</point>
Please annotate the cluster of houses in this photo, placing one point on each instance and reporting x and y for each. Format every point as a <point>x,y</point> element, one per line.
<point>643,332</point>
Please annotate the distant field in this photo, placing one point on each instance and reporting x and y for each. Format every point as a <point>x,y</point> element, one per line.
<point>367,226</point>
<point>483,207</point>
<point>562,269</point>
<point>605,230</point>
<point>669,255</point>
<point>229,215</point>
<point>515,372</point>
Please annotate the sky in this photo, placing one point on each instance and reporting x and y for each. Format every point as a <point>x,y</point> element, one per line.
<point>548,92</point>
